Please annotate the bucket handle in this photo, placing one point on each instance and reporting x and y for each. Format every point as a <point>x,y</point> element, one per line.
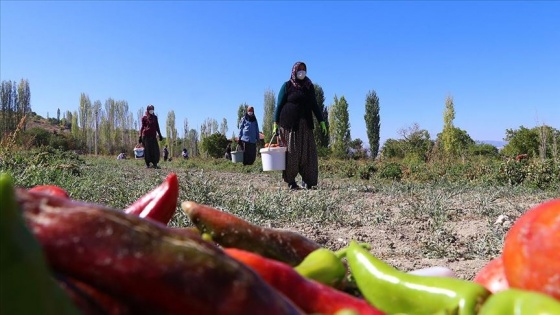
<point>272,138</point>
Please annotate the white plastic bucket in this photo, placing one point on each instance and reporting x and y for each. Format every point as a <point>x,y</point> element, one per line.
<point>273,158</point>
<point>237,156</point>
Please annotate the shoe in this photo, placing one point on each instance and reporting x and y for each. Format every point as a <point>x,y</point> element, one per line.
<point>156,167</point>
<point>294,186</point>
<point>147,166</point>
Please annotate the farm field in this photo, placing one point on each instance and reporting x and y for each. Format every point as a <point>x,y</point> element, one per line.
<point>409,225</point>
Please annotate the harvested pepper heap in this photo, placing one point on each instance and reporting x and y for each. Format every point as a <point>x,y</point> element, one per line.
<point>144,263</point>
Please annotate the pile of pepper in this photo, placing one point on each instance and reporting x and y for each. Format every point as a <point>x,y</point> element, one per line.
<point>71,257</point>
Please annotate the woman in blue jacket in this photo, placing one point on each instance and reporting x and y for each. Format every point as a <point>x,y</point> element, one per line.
<point>249,136</point>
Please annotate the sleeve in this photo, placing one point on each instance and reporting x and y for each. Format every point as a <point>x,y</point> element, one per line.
<point>258,132</point>
<point>316,110</point>
<point>280,103</point>
<point>241,127</point>
<point>141,126</point>
<point>157,127</point>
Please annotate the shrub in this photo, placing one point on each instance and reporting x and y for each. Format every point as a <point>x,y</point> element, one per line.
<point>391,170</point>
<point>365,171</point>
<point>215,145</point>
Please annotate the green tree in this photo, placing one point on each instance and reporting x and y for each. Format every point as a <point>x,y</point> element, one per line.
<point>448,140</point>
<point>268,115</point>
<point>23,100</point>
<point>340,127</point>
<point>541,141</point>
<point>214,145</point>
<point>223,127</point>
<point>373,124</point>
<point>85,113</point>
<point>461,141</point>
<point>171,132</point>
<point>241,112</point>
<point>416,143</point>
<point>321,139</point>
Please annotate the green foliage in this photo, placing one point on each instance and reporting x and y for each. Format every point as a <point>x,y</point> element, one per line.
<point>268,114</point>
<point>543,141</point>
<point>366,171</point>
<point>542,174</point>
<point>214,145</point>
<point>393,149</point>
<point>373,124</point>
<point>448,135</point>
<point>339,128</point>
<point>391,170</point>
<point>521,141</point>
<point>483,149</point>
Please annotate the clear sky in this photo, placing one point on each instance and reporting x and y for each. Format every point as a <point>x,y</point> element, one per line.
<point>500,61</point>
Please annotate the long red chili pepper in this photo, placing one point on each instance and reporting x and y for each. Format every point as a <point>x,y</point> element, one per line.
<point>229,230</point>
<point>159,204</point>
<point>309,295</point>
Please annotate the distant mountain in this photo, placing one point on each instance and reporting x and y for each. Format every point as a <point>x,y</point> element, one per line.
<point>498,144</point>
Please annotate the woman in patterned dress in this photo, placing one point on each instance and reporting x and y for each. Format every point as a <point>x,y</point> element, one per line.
<point>294,109</point>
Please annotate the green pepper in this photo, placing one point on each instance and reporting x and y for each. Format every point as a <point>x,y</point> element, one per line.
<point>394,291</point>
<point>322,265</point>
<point>26,284</point>
<point>520,302</point>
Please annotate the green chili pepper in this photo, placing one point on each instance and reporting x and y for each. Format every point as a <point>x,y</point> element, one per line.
<point>394,291</point>
<point>26,284</point>
<point>520,302</point>
<point>322,265</point>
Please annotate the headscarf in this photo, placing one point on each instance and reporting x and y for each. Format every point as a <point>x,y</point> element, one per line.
<point>250,117</point>
<point>299,84</point>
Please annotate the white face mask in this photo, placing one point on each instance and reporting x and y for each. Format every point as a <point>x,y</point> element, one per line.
<point>250,113</point>
<point>301,74</point>
<point>151,111</point>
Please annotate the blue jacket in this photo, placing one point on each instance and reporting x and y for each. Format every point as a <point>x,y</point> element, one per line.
<point>248,130</point>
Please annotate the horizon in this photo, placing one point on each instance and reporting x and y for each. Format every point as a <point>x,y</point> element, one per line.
<point>500,61</point>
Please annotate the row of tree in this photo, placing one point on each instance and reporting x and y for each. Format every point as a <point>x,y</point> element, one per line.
<point>15,102</point>
<point>110,127</point>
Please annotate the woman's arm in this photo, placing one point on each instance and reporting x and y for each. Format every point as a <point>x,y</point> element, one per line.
<point>280,103</point>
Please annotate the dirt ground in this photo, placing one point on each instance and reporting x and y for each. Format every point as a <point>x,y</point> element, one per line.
<point>476,221</point>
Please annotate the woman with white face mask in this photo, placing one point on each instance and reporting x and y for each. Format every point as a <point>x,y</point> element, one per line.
<point>249,136</point>
<point>148,131</point>
<point>294,115</point>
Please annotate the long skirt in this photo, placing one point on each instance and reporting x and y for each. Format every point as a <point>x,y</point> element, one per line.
<point>301,155</point>
<point>151,150</point>
<point>249,153</point>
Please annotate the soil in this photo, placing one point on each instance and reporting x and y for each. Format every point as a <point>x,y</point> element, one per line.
<point>400,240</point>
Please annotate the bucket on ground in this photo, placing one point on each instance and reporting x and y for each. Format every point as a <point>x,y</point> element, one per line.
<point>273,158</point>
<point>237,156</point>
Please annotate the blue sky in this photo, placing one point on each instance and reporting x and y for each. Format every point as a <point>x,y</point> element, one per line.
<point>500,61</point>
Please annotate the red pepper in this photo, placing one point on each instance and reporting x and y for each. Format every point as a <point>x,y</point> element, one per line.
<point>309,295</point>
<point>159,204</point>
<point>144,263</point>
<point>51,190</point>
<point>229,230</point>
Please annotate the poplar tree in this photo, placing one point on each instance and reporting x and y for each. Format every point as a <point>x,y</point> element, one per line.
<point>321,139</point>
<point>373,124</point>
<point>448,133</point>
<point>23,102</point>
<point>171,132</point>
<point>340,127</point>
<point>268,114</point>
<point>84,116</point>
